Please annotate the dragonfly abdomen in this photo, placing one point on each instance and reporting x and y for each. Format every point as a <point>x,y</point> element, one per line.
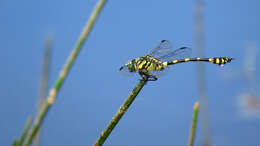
<point>216,60</point>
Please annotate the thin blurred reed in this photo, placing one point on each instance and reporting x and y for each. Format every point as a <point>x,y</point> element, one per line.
<point>199,43</point>
<point>193,124</point>
<point>123,108</point>
<point>63,74</point>
<point>44,81</point>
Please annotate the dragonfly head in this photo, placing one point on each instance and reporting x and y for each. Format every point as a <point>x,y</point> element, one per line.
<point>130,65</point>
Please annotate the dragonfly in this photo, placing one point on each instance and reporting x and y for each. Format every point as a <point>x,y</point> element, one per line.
<point>163,56</point>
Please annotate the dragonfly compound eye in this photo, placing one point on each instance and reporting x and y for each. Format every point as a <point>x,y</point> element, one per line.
<point>131,65</point>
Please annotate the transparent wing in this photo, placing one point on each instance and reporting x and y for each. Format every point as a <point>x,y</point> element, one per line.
<point>164,52</point>
<point>181,53</point>
<point>162,49</point>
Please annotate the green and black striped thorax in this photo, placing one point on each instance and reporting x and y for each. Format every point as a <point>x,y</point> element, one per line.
<point>163,56</point>
<point>148,63</point>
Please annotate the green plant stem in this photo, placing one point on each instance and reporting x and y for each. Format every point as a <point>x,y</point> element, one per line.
<point>123,108</point>
<point>24,133</point>
<point>37,123</point>
<point>63,74</point>
<point>194,124</point>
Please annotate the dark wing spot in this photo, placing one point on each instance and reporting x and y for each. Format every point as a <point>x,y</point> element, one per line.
<point>163,41</point>
<point>182,48</point>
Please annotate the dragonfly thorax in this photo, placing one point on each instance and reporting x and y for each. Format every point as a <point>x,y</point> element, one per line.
<point>148,63</point>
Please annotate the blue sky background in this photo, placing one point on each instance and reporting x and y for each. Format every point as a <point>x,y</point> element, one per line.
<point>94,89</point>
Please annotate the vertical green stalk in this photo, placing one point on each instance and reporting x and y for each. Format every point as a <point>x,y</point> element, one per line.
<point>123,108</point>
<point>63,74</point>
<point>194,124</point>
<point>24,133</point>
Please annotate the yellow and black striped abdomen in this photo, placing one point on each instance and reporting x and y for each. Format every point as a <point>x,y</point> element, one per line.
<point>216,60</point>
<point>149,63</point>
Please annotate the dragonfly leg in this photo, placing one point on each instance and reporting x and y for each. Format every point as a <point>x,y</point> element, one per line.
<point>145,74</point>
